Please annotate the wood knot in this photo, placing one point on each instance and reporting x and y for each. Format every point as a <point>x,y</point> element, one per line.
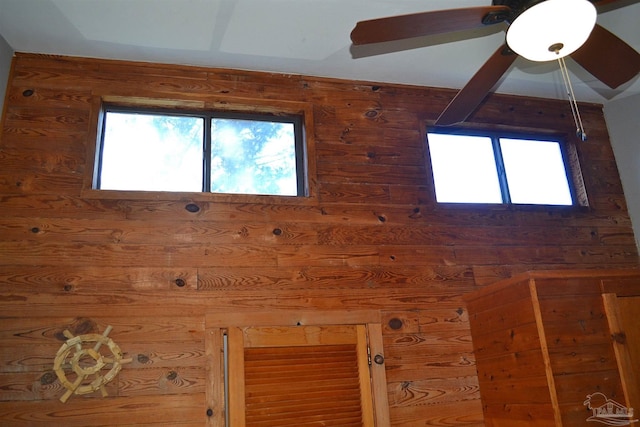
<point>48,378</point>
<point>80,326</point>
<point>192,207</point>
<point>415,213</point>
<point>395,324</point>
<point>143,358</point>
<point>180,282</point>
<point>27,93</point>
<point>172,375</point>
<point>620,337</point>
<point>344,134</point>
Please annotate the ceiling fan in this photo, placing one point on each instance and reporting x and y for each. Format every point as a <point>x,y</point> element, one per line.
<point>539,30</point>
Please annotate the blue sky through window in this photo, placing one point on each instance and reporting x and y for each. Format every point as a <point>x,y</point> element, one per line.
<point>159,152</point>
<point>253,157</point>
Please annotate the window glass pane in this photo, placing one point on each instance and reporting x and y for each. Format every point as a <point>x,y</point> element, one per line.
<point>535,172</point>
<point>253,157</point>
<point>148,152</point>
<point>464,169</point>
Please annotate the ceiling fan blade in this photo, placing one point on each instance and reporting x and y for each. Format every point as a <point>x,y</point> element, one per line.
<point>477,88</point>
<point>426,24</point>
<point>608,58</point>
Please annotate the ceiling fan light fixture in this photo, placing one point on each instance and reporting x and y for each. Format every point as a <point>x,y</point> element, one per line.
<point>552,29</point>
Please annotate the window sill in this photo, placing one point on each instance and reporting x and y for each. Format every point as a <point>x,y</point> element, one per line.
<point>170,196</point>
<point>510,207</point>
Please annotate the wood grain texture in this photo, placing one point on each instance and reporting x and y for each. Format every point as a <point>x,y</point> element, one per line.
<point>143,410</point>
<point>624,323</point>
<point>543,343</point>
<point>369,244</point>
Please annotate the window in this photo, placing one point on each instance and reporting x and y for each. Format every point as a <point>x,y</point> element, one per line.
<point>190,151</point>
<point>493,169</point>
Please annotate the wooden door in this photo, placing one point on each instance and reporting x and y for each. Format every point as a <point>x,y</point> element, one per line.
<point>299,376</point>
<point>629,309</point>
<point>623,314</point>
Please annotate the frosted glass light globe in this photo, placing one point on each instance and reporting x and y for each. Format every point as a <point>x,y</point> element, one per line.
<point>551,29</point>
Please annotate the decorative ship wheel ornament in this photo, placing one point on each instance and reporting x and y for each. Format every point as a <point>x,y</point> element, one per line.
<point>87,363</point>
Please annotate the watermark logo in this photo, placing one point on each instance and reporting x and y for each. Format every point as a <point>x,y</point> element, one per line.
<point>607,411</point>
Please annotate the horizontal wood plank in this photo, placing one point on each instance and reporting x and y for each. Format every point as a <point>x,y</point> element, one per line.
<point>113,411</point>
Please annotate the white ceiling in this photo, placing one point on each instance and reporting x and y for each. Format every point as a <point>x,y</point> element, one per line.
<point>309,37</point>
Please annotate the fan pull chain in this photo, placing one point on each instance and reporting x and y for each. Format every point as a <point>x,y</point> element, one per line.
<point>580,132</point>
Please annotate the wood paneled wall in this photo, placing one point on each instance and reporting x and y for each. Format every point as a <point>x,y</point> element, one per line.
<point>543,344</point>
<point>369,237</point>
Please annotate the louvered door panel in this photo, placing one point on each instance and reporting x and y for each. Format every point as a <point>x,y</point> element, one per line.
<point>302,376</point>
<point>314,385</point>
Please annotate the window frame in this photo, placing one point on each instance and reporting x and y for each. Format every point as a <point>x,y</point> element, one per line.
<point>567,150</point>
<point>208,115</point>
